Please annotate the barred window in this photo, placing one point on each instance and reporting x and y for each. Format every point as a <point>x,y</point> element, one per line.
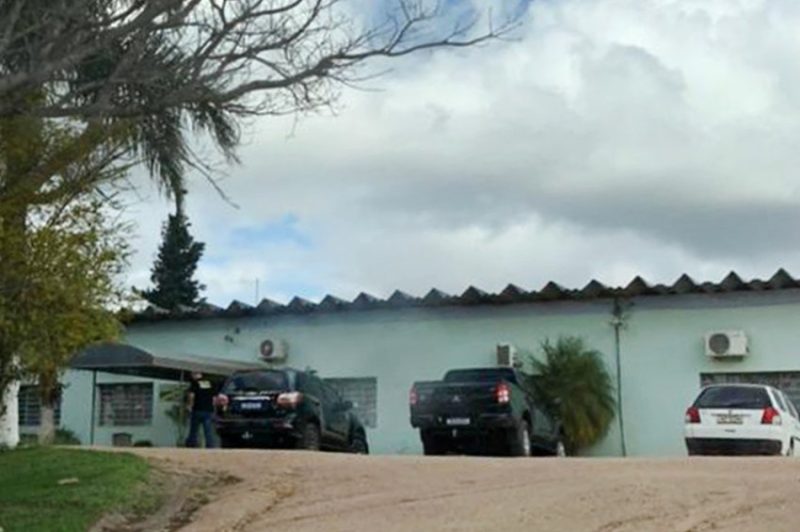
<point>125,405</point>
<point>30,407</point>
<point>363,393</point>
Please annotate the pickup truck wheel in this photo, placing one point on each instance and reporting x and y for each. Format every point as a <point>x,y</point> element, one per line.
<point>310,438</point>
<point>521,440</point>
<point>431,449</point>
<point>431,446</point>
<point>359,445</point>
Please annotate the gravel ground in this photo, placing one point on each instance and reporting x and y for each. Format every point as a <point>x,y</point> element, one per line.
<point>299,491</point>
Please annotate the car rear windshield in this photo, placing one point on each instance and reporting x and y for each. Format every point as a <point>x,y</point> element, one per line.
<point>479,375</point>
<point>733,397</point>
<point>257,381</point>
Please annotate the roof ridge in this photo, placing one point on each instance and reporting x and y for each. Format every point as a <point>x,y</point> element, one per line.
<point>551,291</point>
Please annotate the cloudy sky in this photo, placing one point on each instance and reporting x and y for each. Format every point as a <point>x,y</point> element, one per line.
<point>610,138</point>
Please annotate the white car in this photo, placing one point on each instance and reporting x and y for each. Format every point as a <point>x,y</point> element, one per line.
<point>742,419</point>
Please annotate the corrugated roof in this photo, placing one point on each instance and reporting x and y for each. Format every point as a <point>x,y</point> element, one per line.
<point>473,295</point>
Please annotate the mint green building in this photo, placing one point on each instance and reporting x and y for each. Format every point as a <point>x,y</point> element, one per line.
<point>668,340</point>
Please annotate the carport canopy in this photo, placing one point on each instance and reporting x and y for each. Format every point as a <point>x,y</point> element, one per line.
<point>125,359</point>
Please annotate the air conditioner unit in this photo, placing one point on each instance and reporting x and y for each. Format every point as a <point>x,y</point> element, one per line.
<point>273,350</point>
<point>726,344</point>
<point>507,356</point>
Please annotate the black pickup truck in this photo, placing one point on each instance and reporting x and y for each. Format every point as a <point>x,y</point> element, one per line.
<point>482,411</point>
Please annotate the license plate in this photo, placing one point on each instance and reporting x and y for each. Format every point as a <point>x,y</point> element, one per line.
<point>729,420</point>
<point>250,406</point>
<point>457,421</point>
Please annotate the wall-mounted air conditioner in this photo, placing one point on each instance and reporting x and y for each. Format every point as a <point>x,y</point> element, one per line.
<point>507,356</point>
<point>726,344</point>
<point>273,350</point>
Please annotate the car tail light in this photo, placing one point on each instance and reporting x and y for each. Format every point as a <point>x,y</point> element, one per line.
<point>412,396</point>
<point>503,393</point>
<point>290,399</point>
<point>771,417</point>
<point>692,415</point>
<point>222,401</point>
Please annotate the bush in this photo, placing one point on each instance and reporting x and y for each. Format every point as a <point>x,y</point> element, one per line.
<point>65,437</point>
<point>573,385</point>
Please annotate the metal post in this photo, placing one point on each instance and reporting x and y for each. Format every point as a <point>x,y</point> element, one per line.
<point>94,402</point>
<point>618,322</point>
<point>181,413</point>
<point>619,390</point>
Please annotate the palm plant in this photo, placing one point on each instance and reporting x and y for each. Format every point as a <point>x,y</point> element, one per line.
<point>573,385</point>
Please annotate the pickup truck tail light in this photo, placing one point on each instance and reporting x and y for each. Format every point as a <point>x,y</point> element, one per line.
<point>692,415</point>
<point>290,399</point>
<point>503,393</point>
<point>412,396</point>
<point>771,417</point>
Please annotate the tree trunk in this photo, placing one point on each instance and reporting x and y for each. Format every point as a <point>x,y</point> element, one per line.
<point>47,426</point>
<point>9,420</point>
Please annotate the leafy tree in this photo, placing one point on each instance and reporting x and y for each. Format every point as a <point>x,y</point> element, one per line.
<point>174,268</point>
<point>573,385</point>
<point>72,285</point>
<point>50,227</point>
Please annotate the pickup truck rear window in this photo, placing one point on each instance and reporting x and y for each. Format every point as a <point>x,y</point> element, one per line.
<point>257,381</point>
<point>480,375</point>
<point>733,397</point>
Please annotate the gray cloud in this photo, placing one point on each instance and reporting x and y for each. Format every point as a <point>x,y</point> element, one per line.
<point>611,139</point>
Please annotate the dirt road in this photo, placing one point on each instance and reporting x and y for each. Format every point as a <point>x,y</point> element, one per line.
<point>297,491</point>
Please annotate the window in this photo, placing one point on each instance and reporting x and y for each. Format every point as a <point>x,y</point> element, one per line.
<point>792,409</point>
<point>481,375</point>
<point>126,404</point>
<point>311,386</point>
<point>733,397</point>
<point>363,393</point>
<point>30,407</point>
<point>258,381</point>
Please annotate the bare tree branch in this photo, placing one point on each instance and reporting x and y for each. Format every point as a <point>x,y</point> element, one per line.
<point>241,57</point>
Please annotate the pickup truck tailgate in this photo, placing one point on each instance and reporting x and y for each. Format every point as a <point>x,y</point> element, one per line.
<point>452,404</point>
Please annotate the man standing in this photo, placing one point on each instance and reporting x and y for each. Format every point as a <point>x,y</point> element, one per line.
<point>200,403</point>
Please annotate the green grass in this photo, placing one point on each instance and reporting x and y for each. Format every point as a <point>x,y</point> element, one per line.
<point>32,500</point>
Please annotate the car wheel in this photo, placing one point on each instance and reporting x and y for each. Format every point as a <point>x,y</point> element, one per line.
<point>521,440</point>
<point>310,438</point>
<point>359,445</point>
<point>226,443</point>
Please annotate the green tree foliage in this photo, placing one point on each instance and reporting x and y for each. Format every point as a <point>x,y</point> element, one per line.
<point>58,248</point>
<point>573,385</point>
<point>174,268</point>
<point>72,288</point>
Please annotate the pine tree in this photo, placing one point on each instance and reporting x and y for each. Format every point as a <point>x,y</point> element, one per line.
<point>173,271</point>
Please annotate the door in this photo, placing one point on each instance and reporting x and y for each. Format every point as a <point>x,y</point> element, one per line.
<point>792,419</point>
<point>337,420</point>
<point>312,394</point>
<point>543,429</point>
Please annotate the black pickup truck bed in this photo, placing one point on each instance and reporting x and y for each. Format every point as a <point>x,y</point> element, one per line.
<point>481,411</point>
